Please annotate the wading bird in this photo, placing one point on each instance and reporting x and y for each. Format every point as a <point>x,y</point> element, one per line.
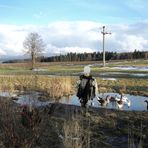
<point>103,102</point>
<point>147,103</point>
<point>122,100</point>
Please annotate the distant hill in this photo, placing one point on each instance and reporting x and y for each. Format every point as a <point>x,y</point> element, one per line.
<point>16,61</point>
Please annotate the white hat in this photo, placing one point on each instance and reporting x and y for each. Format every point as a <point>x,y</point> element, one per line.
<point>87,70</point>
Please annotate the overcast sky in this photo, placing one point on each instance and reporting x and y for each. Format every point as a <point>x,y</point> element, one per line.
<point>74,25</point>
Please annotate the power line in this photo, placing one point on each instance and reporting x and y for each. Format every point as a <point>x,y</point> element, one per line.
<point>104,33</point>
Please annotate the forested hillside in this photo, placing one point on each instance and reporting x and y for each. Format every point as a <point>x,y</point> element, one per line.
<point>96,56</point>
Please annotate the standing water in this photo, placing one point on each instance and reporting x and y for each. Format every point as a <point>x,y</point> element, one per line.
<point>137,102</point>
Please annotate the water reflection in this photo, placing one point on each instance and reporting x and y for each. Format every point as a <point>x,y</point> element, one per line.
<point>137,102</point>
<point>7,94</point>
<point>31,99</point>
<point>143,68</point>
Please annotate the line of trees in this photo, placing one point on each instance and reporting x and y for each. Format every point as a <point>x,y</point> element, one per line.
<point>34,46</point>
<point>96,56</point>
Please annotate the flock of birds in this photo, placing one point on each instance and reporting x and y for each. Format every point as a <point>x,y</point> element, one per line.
<point>119,101</point>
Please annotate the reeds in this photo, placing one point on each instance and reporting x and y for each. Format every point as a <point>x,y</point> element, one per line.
<point>56,87</point>
<point>14,135</point>
<point>72,134</point>
<point>77,133</point>
<point>131,86</point>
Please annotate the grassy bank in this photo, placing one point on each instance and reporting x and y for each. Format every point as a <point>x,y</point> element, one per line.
<point>22,77</point>
<point>62,85</point>
<point>68,68</point>
<point>129,86</point>
<point>55,87</point>
<point>66,127</point>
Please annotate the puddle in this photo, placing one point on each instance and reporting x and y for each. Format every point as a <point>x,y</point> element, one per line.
<point>140,74</point>
<point>143,68</point>
<point>137,102</point>
<point>39,69</point>
<point>111,79</point>
<point>31,99</point>
<point>115,73</point>
<point>7,94</point>
<point>124,74</point>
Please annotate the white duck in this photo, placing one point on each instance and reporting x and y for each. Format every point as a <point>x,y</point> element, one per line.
<point>122,100</point>
<point>119,102</point>
<point>126,100</point>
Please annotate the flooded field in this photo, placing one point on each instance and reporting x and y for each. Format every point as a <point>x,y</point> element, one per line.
<point>143,68</point>
<point>126,71</point>
<point>31,99</point>
<point>119,72</point>
<point>137,102</point>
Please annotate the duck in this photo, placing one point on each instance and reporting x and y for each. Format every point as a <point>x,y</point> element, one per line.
<point>122,100</point>
<point>147,103</point>
<point>103,102</point>
<point>126,100</point>
<point>120,103</point>
<point>112,99</point>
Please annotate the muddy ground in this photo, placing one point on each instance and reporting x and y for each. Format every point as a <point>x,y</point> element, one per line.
<point>67,126</point>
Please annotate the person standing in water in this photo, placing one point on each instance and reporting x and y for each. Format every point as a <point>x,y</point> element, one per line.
<point>87,88</point>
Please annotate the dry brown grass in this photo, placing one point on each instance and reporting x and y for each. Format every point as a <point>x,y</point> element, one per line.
<point>60,87</point>
<point>77,133</point>
<point>12,133</point>
<point>56,87</point>
<point>72,134</point>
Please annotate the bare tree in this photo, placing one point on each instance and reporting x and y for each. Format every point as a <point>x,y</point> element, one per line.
<point>34,45</point>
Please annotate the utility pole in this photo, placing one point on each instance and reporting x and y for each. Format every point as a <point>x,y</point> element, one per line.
<point>104,33</point>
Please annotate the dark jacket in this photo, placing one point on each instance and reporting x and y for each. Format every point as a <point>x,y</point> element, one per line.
<point>86,89</point>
